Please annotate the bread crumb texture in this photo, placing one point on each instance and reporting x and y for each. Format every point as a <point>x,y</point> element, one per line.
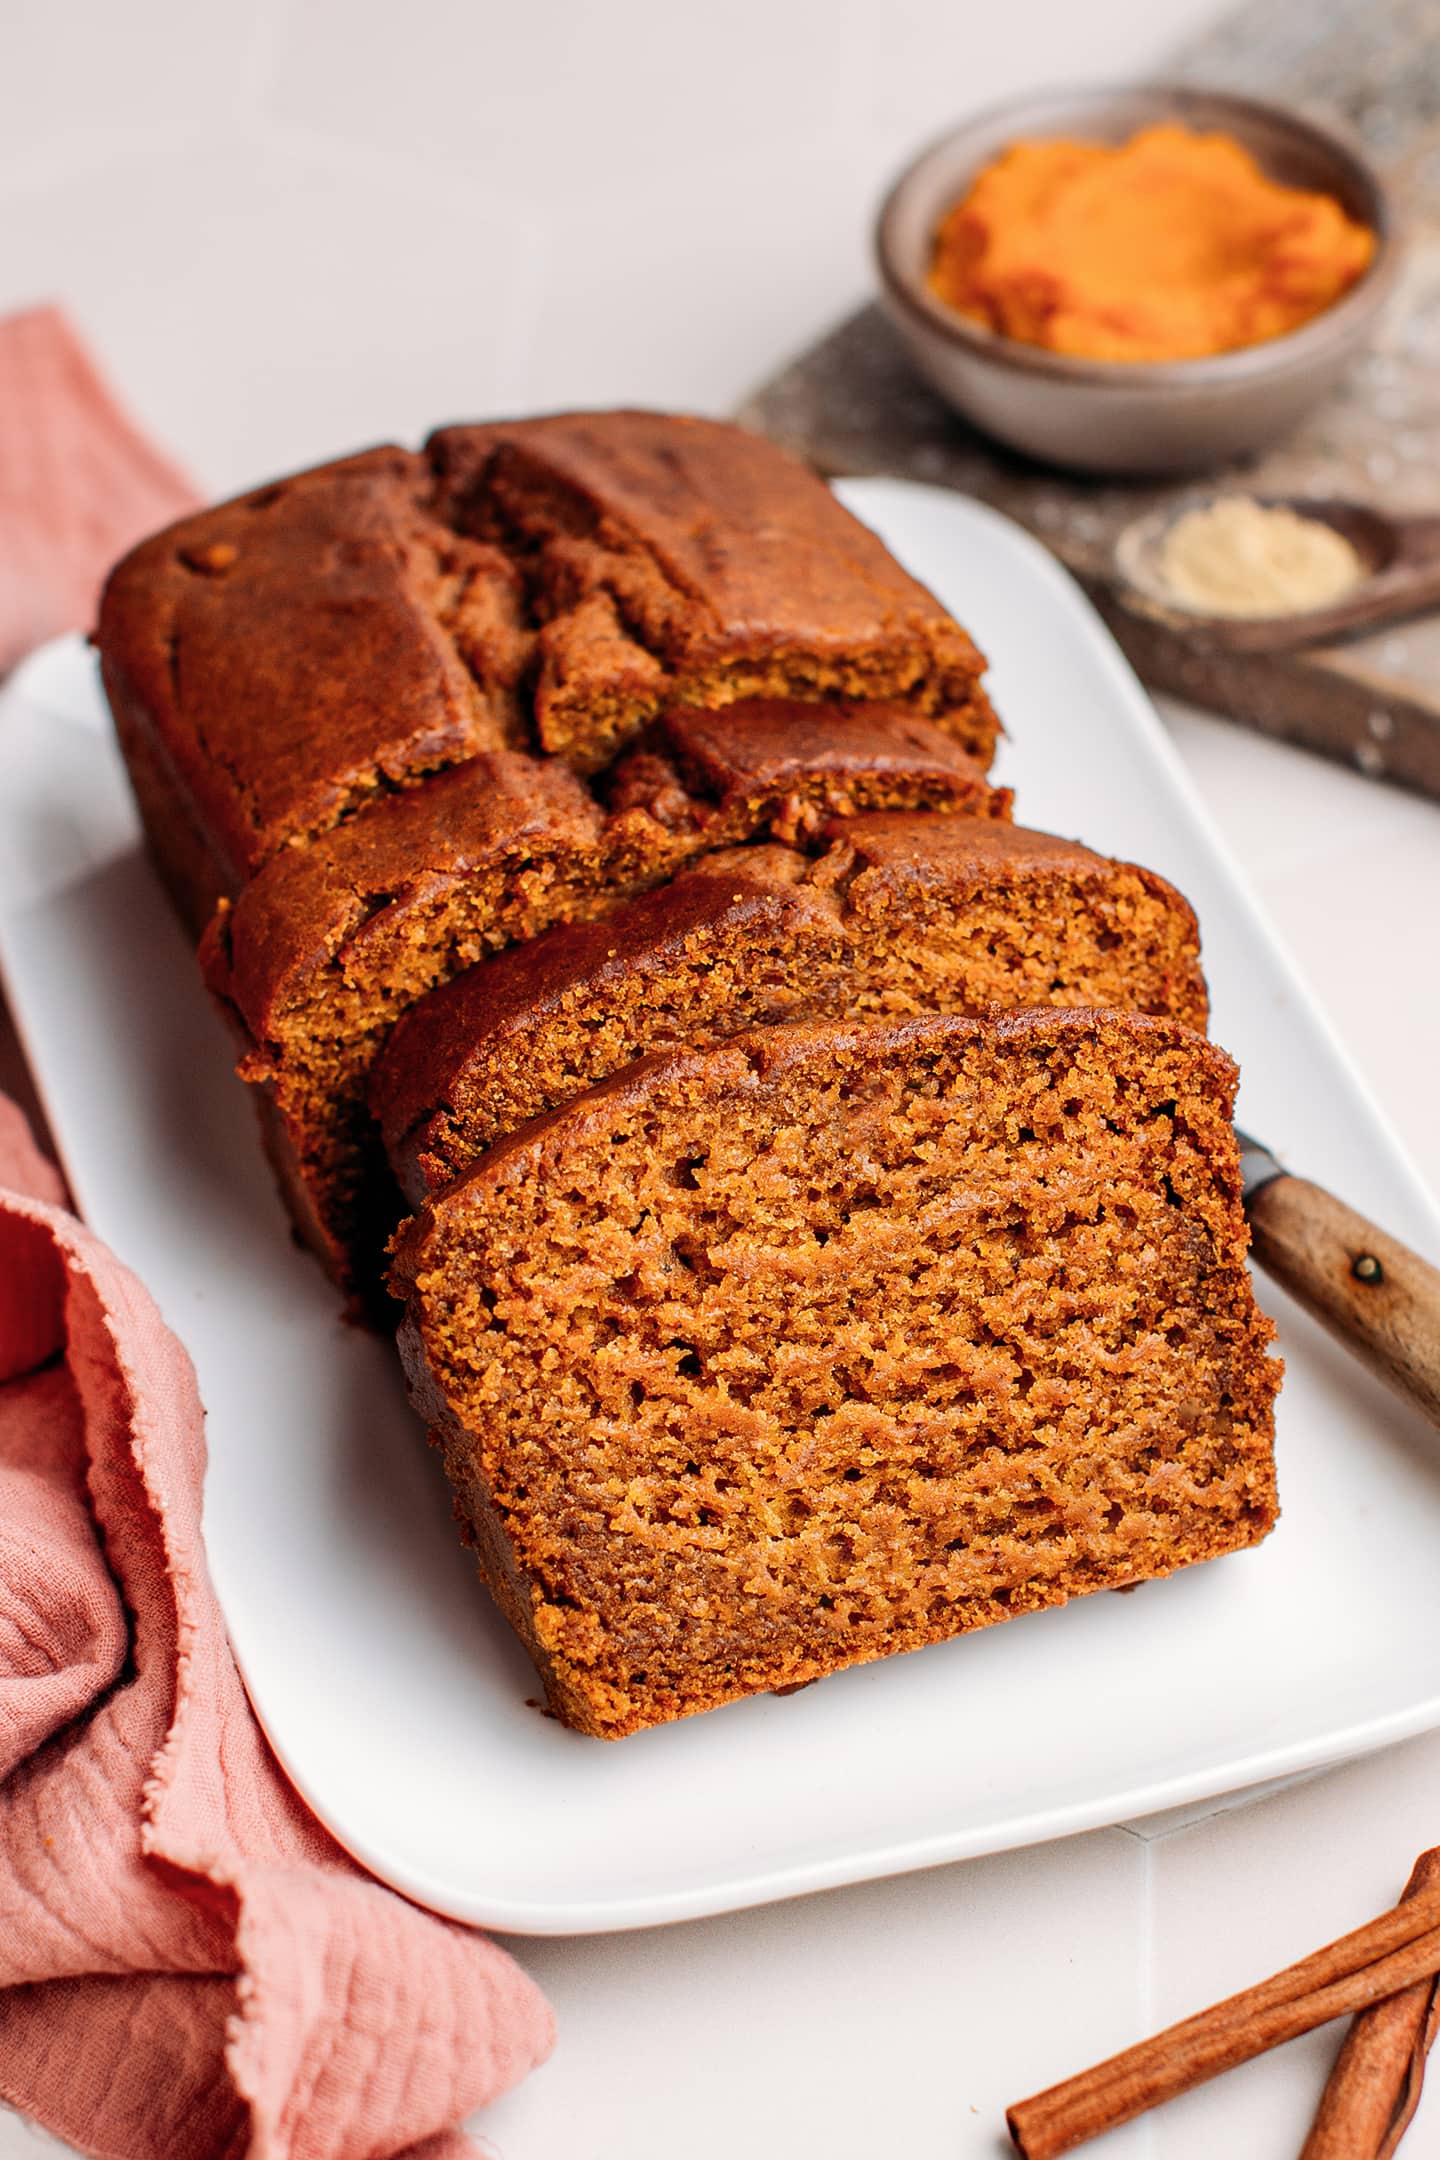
<point>899,914</point>
<point>836,1340</point>
<point>672,618</point>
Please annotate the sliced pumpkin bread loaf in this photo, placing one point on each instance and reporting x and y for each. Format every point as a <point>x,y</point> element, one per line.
<point>898,914</point>
<point>389,714</point>
<point>330,943</point>
<point>276,662</point>
<point>669,560</point>
<point>838,1339</point>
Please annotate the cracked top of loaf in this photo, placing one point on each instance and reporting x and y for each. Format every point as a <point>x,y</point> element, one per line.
<point>547,584</point>
<point>328,909</point>
<point>677,559</point>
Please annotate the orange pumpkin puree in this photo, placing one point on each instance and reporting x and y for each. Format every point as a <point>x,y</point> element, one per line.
<point>1166,247</point>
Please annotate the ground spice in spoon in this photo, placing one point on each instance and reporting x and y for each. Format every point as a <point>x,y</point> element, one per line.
<point>1236,556</point>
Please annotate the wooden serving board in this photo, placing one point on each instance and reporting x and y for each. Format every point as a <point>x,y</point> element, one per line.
<point>852,404</point>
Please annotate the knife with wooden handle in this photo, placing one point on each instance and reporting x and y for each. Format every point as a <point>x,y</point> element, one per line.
<point>1378,1297</point>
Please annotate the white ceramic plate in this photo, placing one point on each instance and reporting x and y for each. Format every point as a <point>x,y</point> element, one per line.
<point>396,1698</point>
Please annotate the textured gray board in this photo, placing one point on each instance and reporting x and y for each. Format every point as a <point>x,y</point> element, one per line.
<point>852,404</point>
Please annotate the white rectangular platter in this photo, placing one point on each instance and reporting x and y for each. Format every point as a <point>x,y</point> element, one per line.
<point>391,1691</point>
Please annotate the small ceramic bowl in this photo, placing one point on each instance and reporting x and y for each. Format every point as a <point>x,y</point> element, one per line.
<point>1126,416</point>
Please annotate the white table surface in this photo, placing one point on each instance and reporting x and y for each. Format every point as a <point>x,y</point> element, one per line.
<point>299,225</point>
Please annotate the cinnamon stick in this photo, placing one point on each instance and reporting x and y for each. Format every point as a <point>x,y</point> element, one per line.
<point>1362,1968</point>
<point>1374,2088</point>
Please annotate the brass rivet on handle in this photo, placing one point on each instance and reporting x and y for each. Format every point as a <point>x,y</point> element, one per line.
<point>1366,1268</point>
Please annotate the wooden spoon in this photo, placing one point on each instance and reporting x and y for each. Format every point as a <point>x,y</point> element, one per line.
<point>1400,558</point>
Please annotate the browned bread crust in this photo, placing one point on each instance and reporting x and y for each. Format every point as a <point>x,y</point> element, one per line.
<point>354,704</point>
<point>284,657</point>
<point>680,560</point>
<point>900,913</point>
<point>837,1340</point>
<point>277,661</point>
<point>331,942</point>
<point>781,766</point>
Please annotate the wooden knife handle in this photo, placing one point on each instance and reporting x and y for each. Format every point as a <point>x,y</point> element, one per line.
<point>1381,1299</point>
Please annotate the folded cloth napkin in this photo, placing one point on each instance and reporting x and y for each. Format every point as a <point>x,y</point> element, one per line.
<point>189,1965</point>
<point>78,483</point>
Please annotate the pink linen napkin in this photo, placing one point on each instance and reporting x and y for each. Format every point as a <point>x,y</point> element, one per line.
<point>79,484</point>
<point>189,1965</point>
